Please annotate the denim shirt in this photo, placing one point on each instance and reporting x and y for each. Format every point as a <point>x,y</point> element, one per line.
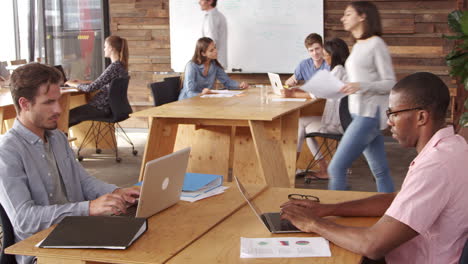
<point>195,81</point>
<point>26,187</point>
<point>306,69</point>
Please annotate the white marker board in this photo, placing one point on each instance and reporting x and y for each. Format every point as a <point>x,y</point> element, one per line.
<point>263,35</point>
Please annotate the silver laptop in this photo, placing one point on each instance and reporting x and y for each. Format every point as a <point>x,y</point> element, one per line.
<point>272,221</point>
<point>162,184</point>
<point>276,83</point>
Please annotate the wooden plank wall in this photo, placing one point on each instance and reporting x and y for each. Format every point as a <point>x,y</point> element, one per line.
<point>412,29</point>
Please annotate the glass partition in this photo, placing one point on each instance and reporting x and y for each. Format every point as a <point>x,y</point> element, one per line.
<point>74,36</point>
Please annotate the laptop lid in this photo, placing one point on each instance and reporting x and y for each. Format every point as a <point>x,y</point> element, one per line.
<point>276,83</point>
<point>272,221</point>
<point>162,183</point>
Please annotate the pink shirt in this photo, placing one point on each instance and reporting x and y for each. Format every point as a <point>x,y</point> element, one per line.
<point>434,202</point>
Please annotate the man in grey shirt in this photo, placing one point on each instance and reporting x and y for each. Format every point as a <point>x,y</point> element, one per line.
<point>40,181</point>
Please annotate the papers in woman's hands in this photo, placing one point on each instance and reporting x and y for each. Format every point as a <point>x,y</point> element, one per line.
<point>221,93</point>
<point>284,247</point>
<point>324,85</point>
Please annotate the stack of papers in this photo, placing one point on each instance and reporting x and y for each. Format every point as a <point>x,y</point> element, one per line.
<point>284,247</point>
<point>221,93</point>
<point>288,99</point>
<point>199,186</point>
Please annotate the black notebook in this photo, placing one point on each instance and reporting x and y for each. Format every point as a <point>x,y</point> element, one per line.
<point>95,232</point>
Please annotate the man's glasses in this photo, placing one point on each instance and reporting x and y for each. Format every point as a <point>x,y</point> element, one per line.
<point>295,196</point>
<point>391,113</point>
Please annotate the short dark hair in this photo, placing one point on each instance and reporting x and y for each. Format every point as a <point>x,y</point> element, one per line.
<point>26,80</point>
<point>213,4</point>
<point>372,23</point>
<point>338,50</point>
<point>426,90</point>
<point>313,38</point>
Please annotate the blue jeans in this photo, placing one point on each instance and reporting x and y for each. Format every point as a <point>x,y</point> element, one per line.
<point>363,135</point>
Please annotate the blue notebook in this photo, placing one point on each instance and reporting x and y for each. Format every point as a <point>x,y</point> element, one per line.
<point>198,183</point>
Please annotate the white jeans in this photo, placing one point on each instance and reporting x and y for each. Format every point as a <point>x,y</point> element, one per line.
<point>310,124</point>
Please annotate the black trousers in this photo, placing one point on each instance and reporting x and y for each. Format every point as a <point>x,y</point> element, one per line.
<point>84,113</point>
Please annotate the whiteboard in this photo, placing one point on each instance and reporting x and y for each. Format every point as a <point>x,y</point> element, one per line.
<point>263,35</point>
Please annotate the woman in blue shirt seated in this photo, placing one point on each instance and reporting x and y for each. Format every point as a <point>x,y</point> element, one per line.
<point>203,70</point>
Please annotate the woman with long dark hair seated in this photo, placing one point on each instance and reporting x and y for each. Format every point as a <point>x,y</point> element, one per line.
<point>116,49</point>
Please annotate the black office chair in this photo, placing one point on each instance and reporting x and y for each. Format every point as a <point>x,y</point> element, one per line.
<point>166,91</point>
<point>464,255</point>
<point>120,110</point>
<point>7,238</point>
<point>330,141</point>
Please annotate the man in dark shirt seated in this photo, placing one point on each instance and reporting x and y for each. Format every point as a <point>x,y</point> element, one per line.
<point>41,182</point>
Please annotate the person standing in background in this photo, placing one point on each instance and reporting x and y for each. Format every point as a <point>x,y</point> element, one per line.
<point>215,27</point>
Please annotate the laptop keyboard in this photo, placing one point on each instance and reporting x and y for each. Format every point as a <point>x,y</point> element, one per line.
<point>131,211</point>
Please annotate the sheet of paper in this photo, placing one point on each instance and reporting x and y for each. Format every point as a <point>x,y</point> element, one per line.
<point>217,95</point>
<point>284,247</point>
<point>226,92</point>
<point>324,85</point>
<point>288,99</point>
<point>213,192</point>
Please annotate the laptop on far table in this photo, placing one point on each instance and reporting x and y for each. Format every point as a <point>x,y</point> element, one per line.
<point>162,184</point>
<point>272,221</point>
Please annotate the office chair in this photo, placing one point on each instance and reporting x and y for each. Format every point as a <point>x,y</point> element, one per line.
<point>330,141</point>
<point>166,91</point>
<point>464,255</point>
<point>7,238</point>
<point>120,110</point>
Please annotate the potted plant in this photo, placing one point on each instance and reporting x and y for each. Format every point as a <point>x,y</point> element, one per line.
<point>457,60</point>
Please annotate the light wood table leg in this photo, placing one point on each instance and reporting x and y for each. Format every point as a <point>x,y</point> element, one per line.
<point>161,140</point>
<point>64,116</point>
<point>269,154</point>
<point>289,128</point>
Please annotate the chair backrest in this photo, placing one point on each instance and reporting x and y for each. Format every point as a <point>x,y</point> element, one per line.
<point>464,255</point>
<point>8,237</point>
<point>165,92</point>
<point>118,99</point>
<point>174,82</point>
<point>345,116</point>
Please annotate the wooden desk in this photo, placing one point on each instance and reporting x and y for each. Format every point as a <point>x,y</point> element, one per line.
<point>8,111</point>
<point>226,128</point>
<point>222,243</point>
<point>169,232</point>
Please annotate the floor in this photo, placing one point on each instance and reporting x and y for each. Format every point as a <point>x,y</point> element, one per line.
<point>125,173</point>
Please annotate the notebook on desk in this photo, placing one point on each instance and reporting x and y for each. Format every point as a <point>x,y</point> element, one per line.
<point>95,232</point>
<point>162,184</point>
<point>272,221</point>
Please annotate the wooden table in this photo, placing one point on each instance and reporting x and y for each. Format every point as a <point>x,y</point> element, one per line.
<point>169,232</point>
<point>8,111</point>
<point>206,231</point>
<point>222,243</point>
<point>258,141</point>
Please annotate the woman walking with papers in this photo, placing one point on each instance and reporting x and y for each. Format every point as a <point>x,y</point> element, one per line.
<point>335,53</point>
<point>203,70</point>
<point>371,77</point>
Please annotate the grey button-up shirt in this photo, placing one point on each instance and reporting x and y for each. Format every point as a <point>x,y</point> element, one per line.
<point>25,184</point>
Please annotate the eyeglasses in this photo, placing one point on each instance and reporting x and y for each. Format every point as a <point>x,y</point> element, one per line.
<point>390,113</point>
<point>295,196</point>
